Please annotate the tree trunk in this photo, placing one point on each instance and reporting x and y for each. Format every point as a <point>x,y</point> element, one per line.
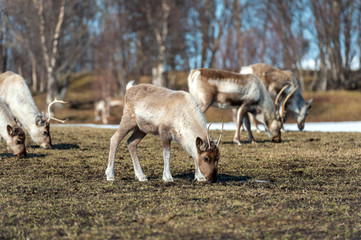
<point>237,12</point>
<point>50,57</point>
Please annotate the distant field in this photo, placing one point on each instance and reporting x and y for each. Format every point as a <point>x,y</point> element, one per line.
<point>310,190</point>
<point>327,106</point>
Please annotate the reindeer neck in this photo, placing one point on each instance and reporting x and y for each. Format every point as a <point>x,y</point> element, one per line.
<point>187,130</point>
<point>5,119</point>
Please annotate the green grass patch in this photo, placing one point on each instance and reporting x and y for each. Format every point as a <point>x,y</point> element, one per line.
<point>311,190</point>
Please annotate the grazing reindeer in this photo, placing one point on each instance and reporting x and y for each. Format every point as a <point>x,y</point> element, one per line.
<point>16,95</point>
<point>275,81</point>
<point>13,135</point>
<point>174,115</point>
<point>223,89</point>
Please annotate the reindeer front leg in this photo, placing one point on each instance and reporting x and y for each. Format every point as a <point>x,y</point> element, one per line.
<point>166,140</point>
<point>240,114</point>
<point>248,127</point>
<point>132,143</point>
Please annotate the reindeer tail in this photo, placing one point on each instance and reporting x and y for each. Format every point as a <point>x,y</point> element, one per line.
<point>130,84</point>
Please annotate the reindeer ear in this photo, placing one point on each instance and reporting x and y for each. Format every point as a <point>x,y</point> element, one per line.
<point>39,121</point>
<point>11,130</point>
<point>309,103</point>
<point>199,144</point>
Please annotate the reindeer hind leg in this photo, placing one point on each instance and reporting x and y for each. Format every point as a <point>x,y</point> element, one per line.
<point>125,126</point>
<point>132,143</point>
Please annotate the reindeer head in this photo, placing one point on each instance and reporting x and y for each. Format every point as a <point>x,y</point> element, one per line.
<point>41,132</point>
<point>274,128</point>
<point>16,140</point>
<point>208,156</point>
<point>302,114</point>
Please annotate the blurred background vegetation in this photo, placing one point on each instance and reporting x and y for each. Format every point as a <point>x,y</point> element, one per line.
<point>86,51</point>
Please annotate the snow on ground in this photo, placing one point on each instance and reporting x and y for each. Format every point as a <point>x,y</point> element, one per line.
<point>309,127</point>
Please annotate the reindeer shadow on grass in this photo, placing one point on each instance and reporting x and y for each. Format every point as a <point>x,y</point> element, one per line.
<point>29,155</point>
<point>222,178</point>
<point>61,146</point>
<point>257,142</point>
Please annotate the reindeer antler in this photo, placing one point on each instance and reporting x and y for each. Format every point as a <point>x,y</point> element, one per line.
<point>209,142</point>
<point>286,99</point>
<point>220,136</point>
<point>50,104</point>
<point>280,93</point>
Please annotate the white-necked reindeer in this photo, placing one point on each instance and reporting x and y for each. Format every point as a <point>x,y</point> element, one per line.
<point>174,115</point>
<point>13,135</point>
<point>16,94</point>
<point>275,81</point>
<point>245,92</point>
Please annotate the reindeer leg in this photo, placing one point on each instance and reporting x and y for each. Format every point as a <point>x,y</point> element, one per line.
<point>204,106</point>
<point>240,114</point>
<point>124,128</point>
<point>248,127</point>
<point>234,118</point>
<point>132,143</point>
<point>254,125</point>
<point>166,140</point>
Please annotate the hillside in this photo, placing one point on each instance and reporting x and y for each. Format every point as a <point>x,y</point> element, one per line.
<point>326,107</point>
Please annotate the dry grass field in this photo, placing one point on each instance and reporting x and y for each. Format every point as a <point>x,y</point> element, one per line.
<point>310,189</point>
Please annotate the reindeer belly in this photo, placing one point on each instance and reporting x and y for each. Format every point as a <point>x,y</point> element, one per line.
<point>227,100</point>
<point>147,126</point>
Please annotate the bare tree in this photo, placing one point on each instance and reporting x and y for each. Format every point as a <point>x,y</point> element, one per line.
<point>4,42</point>
<point>50,54</point>
<point>334,23</point>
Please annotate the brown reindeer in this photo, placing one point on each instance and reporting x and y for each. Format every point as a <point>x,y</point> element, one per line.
<point>281,83</point>
<point>174,115</point>
<point>245,92</point>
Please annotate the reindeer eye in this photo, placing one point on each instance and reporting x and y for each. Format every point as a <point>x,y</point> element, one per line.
<point>45,133</point>
<point>206,159</point>
<point>19,142</point>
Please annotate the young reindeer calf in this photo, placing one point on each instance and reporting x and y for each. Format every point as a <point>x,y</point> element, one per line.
<point>174,115</point>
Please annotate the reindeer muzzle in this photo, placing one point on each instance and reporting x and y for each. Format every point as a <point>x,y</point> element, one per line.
<point>301,126</point>
<point>46,145</point>
<point>21,154</point>
<point>276,139</point>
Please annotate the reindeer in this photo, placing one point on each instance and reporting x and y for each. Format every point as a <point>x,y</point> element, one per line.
<point>223,89</point>
<point>16,95</point>
<point>174,115</point>
<point>13,135</point>
<point>281,83</point>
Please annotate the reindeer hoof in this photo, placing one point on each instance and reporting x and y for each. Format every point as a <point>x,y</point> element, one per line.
<point>168,180</point>
<point>142,179</point>
<point>237,142</point>
<point>110,178</point>
<point>110,175</point>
